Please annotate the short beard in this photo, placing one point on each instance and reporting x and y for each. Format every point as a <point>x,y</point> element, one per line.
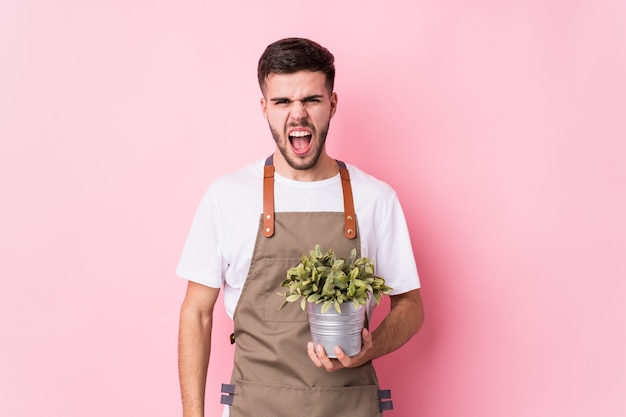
<point>293,163</point>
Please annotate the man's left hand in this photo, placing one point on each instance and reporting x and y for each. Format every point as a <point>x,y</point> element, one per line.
<point>321,360</point>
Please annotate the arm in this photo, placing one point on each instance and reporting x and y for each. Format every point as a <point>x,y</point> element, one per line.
<point>194,346</point>
<point>404,320</point>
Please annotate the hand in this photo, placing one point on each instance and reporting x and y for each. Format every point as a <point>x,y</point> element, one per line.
<point>321,360</point>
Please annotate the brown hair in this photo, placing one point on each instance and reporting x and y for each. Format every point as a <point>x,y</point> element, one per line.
<point>290,55</point>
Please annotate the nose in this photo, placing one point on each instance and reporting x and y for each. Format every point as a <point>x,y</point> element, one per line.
<point>298,111</point>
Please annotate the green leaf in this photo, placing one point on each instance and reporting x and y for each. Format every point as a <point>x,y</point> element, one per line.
<point>314,297</point>
<point>351,289</point>
<point>337,307</point>
<point>377,297</point>
<point>302,273</point>
<point>341,277</point>
<point>352,257</point>
<point>293,297</point>
<point>359,283</point>
<point>354,274</point>
<point>338,264</point>
<point>329,287</point>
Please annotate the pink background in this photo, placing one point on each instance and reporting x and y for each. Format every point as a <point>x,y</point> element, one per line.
<point>499,123</point>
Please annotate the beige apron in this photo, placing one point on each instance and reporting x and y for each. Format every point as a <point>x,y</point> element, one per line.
<point>273,375</point>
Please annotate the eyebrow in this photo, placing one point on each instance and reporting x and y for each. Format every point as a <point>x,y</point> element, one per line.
<point>314,96</point>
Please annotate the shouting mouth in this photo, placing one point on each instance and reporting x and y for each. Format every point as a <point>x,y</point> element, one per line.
<point>300,140</point>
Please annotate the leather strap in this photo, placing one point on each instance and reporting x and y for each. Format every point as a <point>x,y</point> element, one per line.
<point>348,203</point>
<point>268,199</point>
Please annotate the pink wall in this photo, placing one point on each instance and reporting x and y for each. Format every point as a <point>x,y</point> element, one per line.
<point>500,124</point>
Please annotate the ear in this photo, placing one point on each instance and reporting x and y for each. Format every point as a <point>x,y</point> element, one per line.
<point>333,104</point>
<point>264,107</point>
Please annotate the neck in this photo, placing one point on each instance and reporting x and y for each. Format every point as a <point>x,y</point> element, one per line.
<point>325,167</point>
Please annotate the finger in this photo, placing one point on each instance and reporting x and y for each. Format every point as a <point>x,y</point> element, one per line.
<point>313,356</point>
<point>344,359</point>
<point>323,358</point>
<point>367,339</point>
<point>358,359</point>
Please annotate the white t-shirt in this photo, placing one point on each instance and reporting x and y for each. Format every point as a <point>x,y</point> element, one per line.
<point>219,247</point>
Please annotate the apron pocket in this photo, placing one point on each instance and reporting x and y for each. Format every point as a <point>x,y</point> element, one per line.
<point>361,401</point>
<point>257,399</point>
<point>274,273</point>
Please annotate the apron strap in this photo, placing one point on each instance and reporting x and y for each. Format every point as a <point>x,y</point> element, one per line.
<point>268,199</point>
<point>384,394</point>
<point>348,202</point>
<point>229,391</point>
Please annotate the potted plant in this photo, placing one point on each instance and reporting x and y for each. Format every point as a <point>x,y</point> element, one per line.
<point>322,281</point>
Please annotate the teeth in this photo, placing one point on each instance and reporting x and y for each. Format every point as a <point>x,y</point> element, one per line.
<point>299,134</point>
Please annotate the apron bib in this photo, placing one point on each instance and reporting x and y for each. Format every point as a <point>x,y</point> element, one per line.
<point>272,374</point>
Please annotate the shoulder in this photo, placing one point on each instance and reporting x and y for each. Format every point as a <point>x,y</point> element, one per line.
<point>366,184</point>
<point>237,191</point>
<point>242,180</point>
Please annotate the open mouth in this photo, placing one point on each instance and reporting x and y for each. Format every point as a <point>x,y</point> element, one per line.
<point>300,141</point>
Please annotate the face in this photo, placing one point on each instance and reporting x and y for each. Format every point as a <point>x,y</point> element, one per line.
<point>298,108</point>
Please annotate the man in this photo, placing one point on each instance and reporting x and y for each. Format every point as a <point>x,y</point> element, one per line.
<point>253,224</point>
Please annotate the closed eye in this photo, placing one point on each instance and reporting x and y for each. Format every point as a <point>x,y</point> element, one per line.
<point>283,100</point>
<point>312,99</point>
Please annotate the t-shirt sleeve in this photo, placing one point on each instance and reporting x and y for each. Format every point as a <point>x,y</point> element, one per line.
<point>394,256</point>
<point>201,259</point>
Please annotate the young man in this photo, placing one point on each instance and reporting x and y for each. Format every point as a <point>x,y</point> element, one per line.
<point>253,224</point>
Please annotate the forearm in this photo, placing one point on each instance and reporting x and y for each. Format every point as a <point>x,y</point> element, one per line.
<point>194,348</point>
<point>402,322</point>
